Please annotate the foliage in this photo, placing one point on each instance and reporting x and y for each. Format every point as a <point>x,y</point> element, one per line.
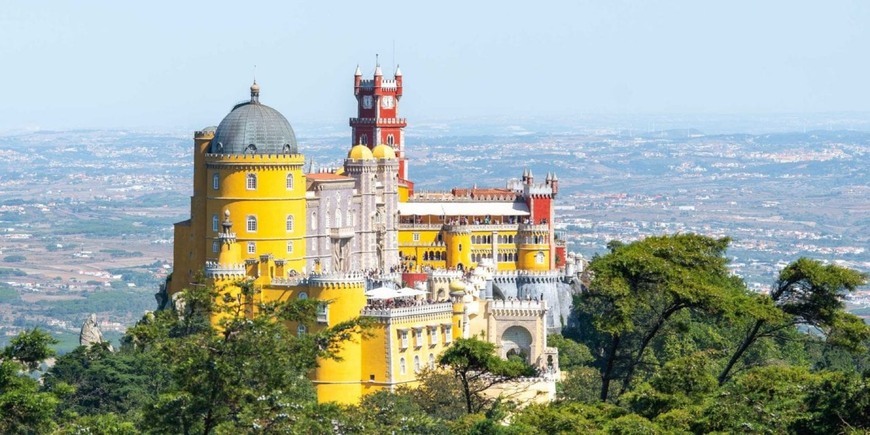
<point>637,288</point>
<point>475,364</point>
<point>23,409</point>
<point>807,292</point>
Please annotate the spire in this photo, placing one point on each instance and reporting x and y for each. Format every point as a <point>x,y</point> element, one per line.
<point>555,178</point>
<point>377,67</point>
<point>255,92</point>
<point>398,71</point>
<point>358,72</point>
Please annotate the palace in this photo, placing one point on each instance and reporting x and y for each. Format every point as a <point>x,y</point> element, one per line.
<point>429,268</point>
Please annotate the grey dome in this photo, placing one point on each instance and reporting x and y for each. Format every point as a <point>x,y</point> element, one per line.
<point>254,128</point>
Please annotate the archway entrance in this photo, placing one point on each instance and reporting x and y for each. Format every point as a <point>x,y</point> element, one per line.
<point>517,341</point>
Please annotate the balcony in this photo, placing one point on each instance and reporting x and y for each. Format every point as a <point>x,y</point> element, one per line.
<point>341,233</point>
<point>444,307</point>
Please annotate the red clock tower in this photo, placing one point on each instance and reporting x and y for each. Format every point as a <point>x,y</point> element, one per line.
<point>377,120</point>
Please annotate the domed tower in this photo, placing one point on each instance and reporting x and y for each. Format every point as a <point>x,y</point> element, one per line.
<point>248,166</point>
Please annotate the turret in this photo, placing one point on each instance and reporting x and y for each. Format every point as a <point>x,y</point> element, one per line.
<point>357,79</point>
<point>379,75</point>
<point>398,77</point>
<point>554,183</point>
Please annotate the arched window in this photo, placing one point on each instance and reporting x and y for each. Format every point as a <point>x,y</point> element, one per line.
<point>416,363</point>
<point>337,218</point>
<point>251,181</point>
<point>252,248</point>
<point>313,222</point>
<point>290,181</point>
<point>289,246</point>
<point>364,139</point>
<point>251,224</point>
<point>215,222</point>
<point>302,296</point>
<point>301,330</point>
<point>215,246</point>
<point>402,369</point>
<point>289,222</point>
<point>390,139</point>
<point>215,181</point>
<point>431,361</point>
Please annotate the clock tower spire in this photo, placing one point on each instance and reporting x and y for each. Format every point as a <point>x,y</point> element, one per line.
<point>377,120</point>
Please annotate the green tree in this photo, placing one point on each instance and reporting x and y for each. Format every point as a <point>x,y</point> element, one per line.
<point>475,364</point>
<point>810,293</point>
<point>248,372</point>
<point>638,287</point>
<point>23,408</point>
<point>386,412</point>
<point>104,382</point>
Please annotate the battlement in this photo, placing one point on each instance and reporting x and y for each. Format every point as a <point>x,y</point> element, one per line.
<point>215,270</point>
<point>512,276</point>
<point>535,228</point>
<point>335,279</point>
<point>397,122</point>
<point>214,160</point>
<point>518,307</point>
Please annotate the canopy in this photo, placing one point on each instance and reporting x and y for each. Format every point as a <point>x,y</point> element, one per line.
<point>382,293</point>
<point>391,293</point>
<point>463,208</point>
<point>406,291</point>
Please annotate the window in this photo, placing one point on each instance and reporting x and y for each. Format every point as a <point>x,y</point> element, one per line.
<point>539,258</point>
<point>215,222</point>
<point>402,365</point>
<point>252,224</point>
<point>215,181</point>
<point>252,248</point>
<point>390,139</point>
<point>251,181</point>
<point>416,363</point>
<point>322,313</point>
<point>403,336</point>
<point>290,181</point>
<point>289,223</point>
<point>448,334</point>
<point>433,332</point>
<point>289,246</point>
<point>431,361</point>
<point>313,221</point>
<point>418,337</point>
<point>303,296</point>
<point>416,237</point>
<point>364,139</point>
<point>301,330</point>
<point>215,246</point>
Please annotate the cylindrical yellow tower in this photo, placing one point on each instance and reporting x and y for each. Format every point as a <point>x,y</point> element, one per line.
<point>340,381</point>
<point>533,247</point>
<point>457,239</point>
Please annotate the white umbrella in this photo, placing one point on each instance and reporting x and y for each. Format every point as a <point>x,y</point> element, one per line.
<point>406,291</point>
<point>382,293</point>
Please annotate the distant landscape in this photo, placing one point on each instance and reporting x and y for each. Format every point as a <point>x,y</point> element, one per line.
<point>86,216</point>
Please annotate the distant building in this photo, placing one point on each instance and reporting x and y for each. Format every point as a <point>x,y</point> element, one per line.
<point>480,261</point>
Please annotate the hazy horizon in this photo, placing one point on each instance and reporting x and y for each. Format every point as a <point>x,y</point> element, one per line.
<point>161,65</point>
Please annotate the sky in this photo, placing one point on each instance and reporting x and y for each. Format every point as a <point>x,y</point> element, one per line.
<point>168,65</point>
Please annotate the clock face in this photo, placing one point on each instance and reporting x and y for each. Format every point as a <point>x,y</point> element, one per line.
<point>367,101</point>
<point>387,102</point>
